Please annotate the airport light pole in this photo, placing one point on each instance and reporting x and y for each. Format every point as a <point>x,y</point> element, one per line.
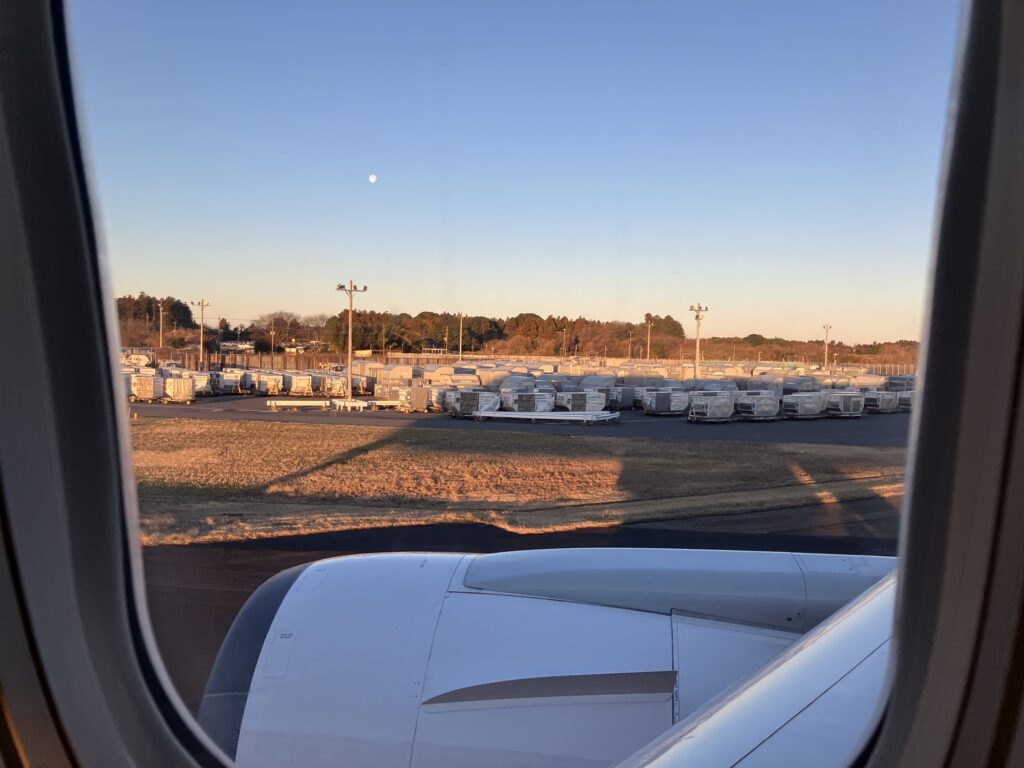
<point>648,340</point>
<point>827,328</point>
<point>460,336</point>
<point>563,341</point>
<point>351,289</point>
<point>698,315</point>
<point>160,304</point>
<point>202,304</point>
<point>629,350</point>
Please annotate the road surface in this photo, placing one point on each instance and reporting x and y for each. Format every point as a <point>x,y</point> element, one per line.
<point>888,430</point>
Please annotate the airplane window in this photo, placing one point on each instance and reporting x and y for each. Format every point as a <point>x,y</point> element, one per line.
<point>609,312</point>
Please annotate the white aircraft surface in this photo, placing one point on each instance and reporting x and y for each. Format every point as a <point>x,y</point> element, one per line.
<point>561,658</point>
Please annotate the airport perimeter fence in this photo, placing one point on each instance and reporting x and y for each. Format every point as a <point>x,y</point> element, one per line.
<point>301,361</point>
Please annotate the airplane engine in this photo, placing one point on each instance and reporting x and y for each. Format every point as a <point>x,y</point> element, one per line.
<point>539,658</point>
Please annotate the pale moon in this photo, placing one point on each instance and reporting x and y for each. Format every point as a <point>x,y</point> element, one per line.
<point>373,178</point>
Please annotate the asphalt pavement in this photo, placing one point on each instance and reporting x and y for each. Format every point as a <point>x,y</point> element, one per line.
<point>884,430</point>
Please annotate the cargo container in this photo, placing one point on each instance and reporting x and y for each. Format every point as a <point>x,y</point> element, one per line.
<point>580,401</point>
<point>881,401</point>
<point>712,406</point>
<point>146,387</point>
<point>666,402</point>
<point>463,403</point>
<point>226,382</point>
<point>906,400</point>
<point>844,404</point>
<point>179,390</point>
<point>297,383</point>
<point>757,405</point>
<point>530,402</point>
<point>804,405</point>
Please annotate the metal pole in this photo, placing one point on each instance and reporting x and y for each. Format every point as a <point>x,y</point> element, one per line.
<point>202,304</point>
<point>698,314</point>
<point>827,328</point>
<point>629,351</point>
<point>648,341</point>
<point>460,336</point>
<point>351,289</point>
<point>161,305</point>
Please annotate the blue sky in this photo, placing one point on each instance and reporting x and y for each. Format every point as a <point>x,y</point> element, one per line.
<point>776,161</point>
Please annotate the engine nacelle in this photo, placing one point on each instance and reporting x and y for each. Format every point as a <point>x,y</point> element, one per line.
<point>539,658</point>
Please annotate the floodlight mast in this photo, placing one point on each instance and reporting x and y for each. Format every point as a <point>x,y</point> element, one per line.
<point>698,315</point>
<point>351,289</point>
<point>202,304</point>
<point>827,328</point>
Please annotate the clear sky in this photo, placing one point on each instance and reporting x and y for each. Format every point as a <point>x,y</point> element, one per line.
<point>777,161</point>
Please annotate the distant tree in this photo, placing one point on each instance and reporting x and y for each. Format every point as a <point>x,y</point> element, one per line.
<point>316,325</point>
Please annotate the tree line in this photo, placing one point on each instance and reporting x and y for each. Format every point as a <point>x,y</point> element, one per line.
<point>523,334</point>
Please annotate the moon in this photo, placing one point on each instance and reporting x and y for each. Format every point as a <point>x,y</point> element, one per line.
<point>373,178</point>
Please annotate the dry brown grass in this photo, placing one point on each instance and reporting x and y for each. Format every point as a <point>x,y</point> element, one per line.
<point>470,469</point>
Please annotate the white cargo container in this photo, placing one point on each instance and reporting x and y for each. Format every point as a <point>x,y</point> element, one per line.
<point>712,406</point>
<point>201,382</point>
<point>900,383</point>
<point>757,405</point>
<point>179,389</point>
<point>580,401</point>
<point>804,405</point>
<point>868,381</point>
<point>267,382</point>
<point>436,396</point>
<point>226,382</point>
<point>621,398</point>
<point>465,402</point>
<point>532,402</point>
<point>297,383</point>
<point>335,384</point>
<point>844,404</point>
<point>146,387</point>
<point>881,401</point>
<point>666,402</point>
<point>413,399</point>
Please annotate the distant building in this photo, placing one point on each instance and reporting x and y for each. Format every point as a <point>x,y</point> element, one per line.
<point>237,346</point>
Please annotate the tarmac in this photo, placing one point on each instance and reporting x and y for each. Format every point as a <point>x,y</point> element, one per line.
<point>885,430</point>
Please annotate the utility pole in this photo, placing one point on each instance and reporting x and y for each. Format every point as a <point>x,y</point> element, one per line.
<point>648,340</point>
<point>827,328</point>
<point>563,341</point>
<point>629,350</point>
<point>460,336</point>
<point>351,289</point>
<point>161,305</point>
<point>698,315</point>
<point>202,304</point>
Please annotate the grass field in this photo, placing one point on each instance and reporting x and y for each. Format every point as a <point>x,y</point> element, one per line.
<point>216,480</point>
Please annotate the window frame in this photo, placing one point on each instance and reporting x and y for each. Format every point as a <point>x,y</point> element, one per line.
<point>92,686</point>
